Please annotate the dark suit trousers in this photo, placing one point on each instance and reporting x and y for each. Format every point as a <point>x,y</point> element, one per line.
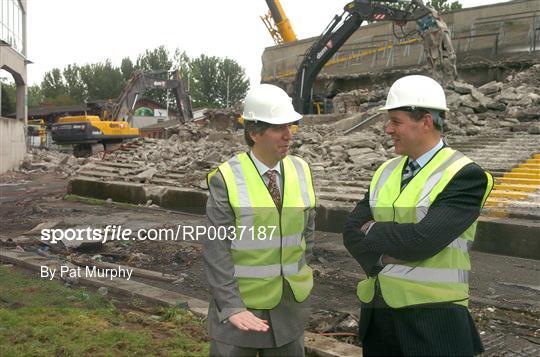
<point>437,330</point>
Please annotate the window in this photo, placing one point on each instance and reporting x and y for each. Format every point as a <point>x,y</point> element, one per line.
<point>11,25</point>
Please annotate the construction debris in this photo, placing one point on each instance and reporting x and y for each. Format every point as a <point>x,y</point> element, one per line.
<point>192,149</point>
<point>42,160</point>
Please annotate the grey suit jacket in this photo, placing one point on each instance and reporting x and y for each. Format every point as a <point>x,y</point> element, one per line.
<point>287,320</point>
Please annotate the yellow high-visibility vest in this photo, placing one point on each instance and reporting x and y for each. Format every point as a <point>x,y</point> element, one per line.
<point>269,245</point>
<point>441,278</point>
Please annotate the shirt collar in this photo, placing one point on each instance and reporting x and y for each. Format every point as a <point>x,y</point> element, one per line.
<point>262,168</point>
<point>424,159</point>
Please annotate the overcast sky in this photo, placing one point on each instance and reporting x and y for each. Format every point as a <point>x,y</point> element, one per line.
<point>61,32</point>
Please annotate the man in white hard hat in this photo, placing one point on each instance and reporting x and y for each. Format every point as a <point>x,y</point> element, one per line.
<point>412,233</point>
<point>259,279</point>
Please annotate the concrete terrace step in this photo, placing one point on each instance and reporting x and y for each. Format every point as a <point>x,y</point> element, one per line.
<point>495,234</point>
<point>508,194</point>
<point>518,181</point>
<point>526,170</point>
<point>340,197</point>
<point>529,166</point>
<point>522,175</point>
<point>118,164</point>
<point>515,187</point>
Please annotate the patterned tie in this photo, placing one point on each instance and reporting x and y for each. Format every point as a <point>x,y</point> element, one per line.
<point>410,170</point>
<point>273,187</point>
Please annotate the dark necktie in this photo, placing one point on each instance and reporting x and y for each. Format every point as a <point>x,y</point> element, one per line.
<point>410,170</point>
<point>273,187</point>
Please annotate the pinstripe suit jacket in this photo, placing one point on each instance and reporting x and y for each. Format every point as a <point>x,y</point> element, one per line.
<point>448,327</point>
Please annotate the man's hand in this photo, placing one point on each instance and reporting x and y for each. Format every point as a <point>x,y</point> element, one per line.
<point>366,226</point>
<point>386,259</point>
<point>246,321</point>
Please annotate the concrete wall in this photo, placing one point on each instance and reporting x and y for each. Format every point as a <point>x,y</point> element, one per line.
<point>12,131</point>
<point>12,143</point>
<point>494,32</point>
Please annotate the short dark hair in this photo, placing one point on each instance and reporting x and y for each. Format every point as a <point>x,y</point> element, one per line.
<point>418,113</point>
<point>254,127</point>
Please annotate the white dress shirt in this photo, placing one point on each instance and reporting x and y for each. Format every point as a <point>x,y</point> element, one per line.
<point>424,159</point>
<point>262,168</point>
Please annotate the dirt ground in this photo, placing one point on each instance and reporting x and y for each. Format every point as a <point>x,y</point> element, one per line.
<point>505,299</point>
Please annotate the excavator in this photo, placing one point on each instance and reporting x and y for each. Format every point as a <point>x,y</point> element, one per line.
<point>113,126</point>
<point>340,29</point>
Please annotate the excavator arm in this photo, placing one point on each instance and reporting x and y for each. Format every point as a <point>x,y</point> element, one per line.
<point>137,86</point>
<point>338,32</point>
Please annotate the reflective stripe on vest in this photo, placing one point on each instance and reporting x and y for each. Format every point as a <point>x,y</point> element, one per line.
<point>260,261</point>
<point>441,278</point>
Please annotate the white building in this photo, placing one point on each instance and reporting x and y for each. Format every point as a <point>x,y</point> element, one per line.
<point>13,60</point>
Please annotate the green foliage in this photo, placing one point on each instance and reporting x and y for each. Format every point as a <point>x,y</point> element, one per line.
<point>102,80</point>
<point>211,76</point>
<point>76,88</point>
<point>127,68</point>
<point>157,59</point>
<point>154,60</point>
<point>35,96</point>
<point>53,86</point>
<point>204,73</point>
<point>8,98</point>
<point>444,6</point>
<point>439,5</point>
<point>206,78</point>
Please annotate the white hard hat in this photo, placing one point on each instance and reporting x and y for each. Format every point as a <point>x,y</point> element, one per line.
<point>416,91</point>
<point>270,104</point>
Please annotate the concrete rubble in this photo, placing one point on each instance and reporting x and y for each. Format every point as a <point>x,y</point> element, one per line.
<point>472,110</point>
<point>192,149</point>
<point>42,160</point>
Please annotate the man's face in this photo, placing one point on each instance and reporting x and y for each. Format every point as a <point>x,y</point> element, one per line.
<point>408,134</point>
<point>274,141</point>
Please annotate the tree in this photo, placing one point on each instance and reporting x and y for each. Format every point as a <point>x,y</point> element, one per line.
<point>102,80</point>
<point>232,84</point>
<point>180,63</point>
<point>127,68</point>
<point>35,96</point>
<point>155,60</point>
<point>8,98</point>
<point>76,88</point>
<point>444,6</point>
<point>211,78</point>
<point>204,71</point>
<point>53,85</point>
<point>439,5</point>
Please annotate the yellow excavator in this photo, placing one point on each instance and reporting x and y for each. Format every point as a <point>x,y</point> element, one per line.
<point>90,133</point>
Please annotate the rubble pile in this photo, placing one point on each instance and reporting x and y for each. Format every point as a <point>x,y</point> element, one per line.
<point>334,156</point>
<point>358,100</point>
<point>472,110</point>
<point>193,149</point>
<point>42,160</point>
<point>188,154</point>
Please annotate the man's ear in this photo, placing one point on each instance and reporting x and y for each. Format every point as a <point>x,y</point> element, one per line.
<point>254,136</point>
<point>428,121</point>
